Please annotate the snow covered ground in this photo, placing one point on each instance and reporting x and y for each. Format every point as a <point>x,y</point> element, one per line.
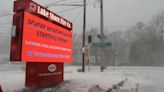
<point>148,79</point>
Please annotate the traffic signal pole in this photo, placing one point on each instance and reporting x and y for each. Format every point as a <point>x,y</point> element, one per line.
<point>101,21</point>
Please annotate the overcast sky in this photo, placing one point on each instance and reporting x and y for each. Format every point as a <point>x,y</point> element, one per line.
<point>118,14</point>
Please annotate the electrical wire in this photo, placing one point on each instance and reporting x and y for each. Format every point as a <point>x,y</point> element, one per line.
<point>74,8</point>
<point>5,46</point>
<point>59,11</point>
<point>77,15</point>
<point>79,12</point>
<point>72,4</point>
<point>50,4</point>
<point>53,3</point>
<point>68,4</point>
<point>4,23</point>
<point>69,9</point>
<point>75,2</point>
<point>88,3</point>
<point>6,15</point>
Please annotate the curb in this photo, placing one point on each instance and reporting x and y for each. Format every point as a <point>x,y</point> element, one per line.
<point>117,86</point>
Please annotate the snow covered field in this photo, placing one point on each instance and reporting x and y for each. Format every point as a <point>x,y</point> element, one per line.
<point>149,79</point>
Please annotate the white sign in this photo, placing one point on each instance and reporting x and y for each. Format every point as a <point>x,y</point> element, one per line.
<point>44,12</point>
<point>52,68</point>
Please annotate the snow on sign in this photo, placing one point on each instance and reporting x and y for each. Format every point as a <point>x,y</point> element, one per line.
<point>41,35</point>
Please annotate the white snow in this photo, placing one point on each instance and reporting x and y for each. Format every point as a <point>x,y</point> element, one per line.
<point>150,79</point>
<point>11,77</point>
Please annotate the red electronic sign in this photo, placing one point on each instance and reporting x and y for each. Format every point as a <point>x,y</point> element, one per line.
<point>43,41</point>
<point>39,35</point>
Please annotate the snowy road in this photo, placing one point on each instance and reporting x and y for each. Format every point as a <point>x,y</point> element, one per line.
<point>150,79</point>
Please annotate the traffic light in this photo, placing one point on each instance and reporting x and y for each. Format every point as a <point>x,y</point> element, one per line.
<point>89,39</point>
<point>101,37</point>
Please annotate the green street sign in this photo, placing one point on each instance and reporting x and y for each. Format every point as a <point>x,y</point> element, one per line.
<point>102,44</point>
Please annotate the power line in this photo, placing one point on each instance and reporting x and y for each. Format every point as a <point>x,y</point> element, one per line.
<point>5,36</point>
<point>69,9</point>
<point>76,1</point>
<point>80,12</point>
<point>74,8</point>
<point>5,15</point>
<point>68,4</point>
<point>77,15</point>
<point>71,4</point>
<point>79,6</point>
<point>5,12</point>
<point>54,3</point>
<point>5,24</point>
<point>5,46</point>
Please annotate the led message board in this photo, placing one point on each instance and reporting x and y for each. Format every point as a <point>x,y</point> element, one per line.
<point>43,41</point>
<point>39,35</point>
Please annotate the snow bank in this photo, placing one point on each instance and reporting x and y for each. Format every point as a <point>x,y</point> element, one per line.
<point>12,78</point>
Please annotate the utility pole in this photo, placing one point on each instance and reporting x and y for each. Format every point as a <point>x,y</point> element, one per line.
<point>84,29</point>
<point>102,67</point>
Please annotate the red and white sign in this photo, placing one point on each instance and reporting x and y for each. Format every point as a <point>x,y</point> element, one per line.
<point>44,41</point>
<point>43,74</point>
<point>38,36</point>
<point>48,14</point>
<point>52,68</point>
<point>52,16</point>
<point>30,6</point>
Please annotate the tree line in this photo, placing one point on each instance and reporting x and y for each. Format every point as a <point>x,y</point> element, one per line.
<point>140,45</point>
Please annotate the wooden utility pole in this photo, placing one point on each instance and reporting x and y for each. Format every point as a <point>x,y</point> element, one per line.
<point>102,67</point>
<point>84,29</point>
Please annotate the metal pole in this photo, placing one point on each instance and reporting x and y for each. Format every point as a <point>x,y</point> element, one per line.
<point>84,29</point>
<point>102,21</point>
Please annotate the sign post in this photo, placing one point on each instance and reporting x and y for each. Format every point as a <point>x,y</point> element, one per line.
<point>102,47</point>
<point>43,40</point>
